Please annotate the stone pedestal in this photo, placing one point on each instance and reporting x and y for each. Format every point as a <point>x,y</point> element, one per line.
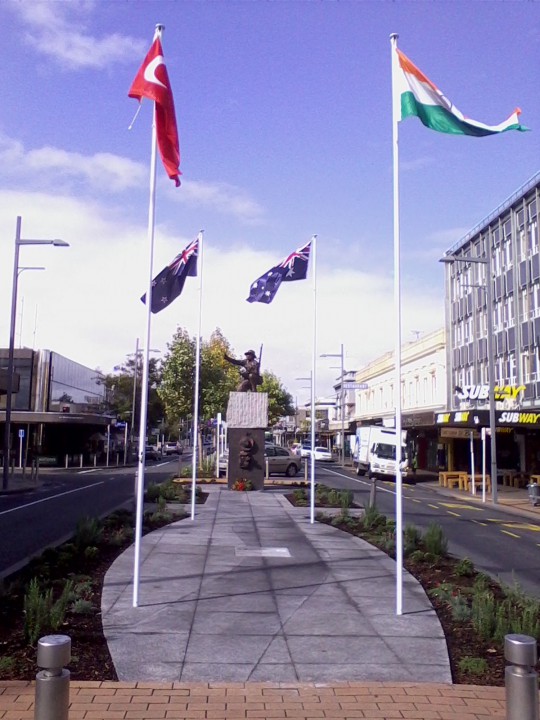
<point>247,419</point>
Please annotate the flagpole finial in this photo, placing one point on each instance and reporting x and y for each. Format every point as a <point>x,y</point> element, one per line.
<point>394,36</point>
<point>159,30</point>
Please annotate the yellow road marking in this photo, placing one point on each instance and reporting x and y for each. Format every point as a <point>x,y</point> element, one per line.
<point>523,526</point>
<point>453,513</point>
<point>462,506</point>
<point>511,534</point>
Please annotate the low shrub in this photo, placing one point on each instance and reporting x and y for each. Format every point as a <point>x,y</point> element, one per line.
<point>464,568</point>
<point>473,665</point>
<point>434,540</point>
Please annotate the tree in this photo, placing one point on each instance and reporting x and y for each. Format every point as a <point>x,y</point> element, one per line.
<point>217,378</point>
<point>280,402</point>
<point>119,391</point>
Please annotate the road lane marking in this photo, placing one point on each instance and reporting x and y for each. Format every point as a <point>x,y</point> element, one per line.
<point>507,532</point>
<point>523,526</point>
<point>453,513</point>
<point>52,497</point>
<point>478,522</point>
<point>461,506</point>
<point>85,472</point>
<point>435,507</point>
<point>416,501</point>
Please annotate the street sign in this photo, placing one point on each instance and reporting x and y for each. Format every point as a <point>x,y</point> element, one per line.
<point>355,386</point>
<point>21,433</point>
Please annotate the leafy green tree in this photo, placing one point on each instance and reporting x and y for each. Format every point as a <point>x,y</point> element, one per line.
<point>217,377</point>
<point>280,402</point>
<point>178,378</point>
<point>119,391</point>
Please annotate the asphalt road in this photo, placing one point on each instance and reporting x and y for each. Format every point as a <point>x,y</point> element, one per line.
<point>33,521</point>
<point>502,544</point>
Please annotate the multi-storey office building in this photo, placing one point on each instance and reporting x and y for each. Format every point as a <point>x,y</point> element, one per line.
<point>58,408</point>
<point>507,241</point>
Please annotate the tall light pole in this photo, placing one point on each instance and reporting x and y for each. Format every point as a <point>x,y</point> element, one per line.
<point>9,385</point>
<point>450,259</point>
<point>342,394</point>
<point>138,351</point>
<point>19,271</point>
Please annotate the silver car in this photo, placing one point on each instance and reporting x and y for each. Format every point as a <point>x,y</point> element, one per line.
<point>281,460</point>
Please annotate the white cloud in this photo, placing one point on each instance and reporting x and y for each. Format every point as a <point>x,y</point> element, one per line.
<point>50,167</point>
<point>88,305</point>
<point>58,30</point>
<point>223,197</point>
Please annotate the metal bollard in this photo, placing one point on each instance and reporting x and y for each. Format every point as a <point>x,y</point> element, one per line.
<point>52,683</point>
<point>520,678</point>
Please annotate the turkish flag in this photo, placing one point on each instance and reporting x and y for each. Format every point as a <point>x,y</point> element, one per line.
<point>152,82</point>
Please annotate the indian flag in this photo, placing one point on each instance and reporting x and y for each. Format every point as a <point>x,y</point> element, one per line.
<point>416,95</point>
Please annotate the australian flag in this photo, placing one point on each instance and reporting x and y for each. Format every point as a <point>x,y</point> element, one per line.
<point>170,282</point>
<point>294,267</point>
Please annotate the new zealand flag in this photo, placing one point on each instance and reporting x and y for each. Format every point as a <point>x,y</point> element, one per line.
<point>168,285</point>
<point>294,267</point>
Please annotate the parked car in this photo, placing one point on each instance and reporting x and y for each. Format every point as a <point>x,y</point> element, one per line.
<point>172,448</point>
<point>305,450</point>
<point>150,453</point>
<point>281,460</point>
<point>322,454</point>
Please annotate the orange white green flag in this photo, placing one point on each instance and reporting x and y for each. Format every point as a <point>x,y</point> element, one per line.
<point>417,96</point>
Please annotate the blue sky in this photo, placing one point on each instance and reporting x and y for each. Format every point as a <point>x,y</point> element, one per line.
<point>284,115</point>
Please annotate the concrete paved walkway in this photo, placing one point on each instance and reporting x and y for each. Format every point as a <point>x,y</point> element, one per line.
<point>251,591</point>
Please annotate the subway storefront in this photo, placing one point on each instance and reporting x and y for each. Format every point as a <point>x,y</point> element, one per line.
<point>518,439</point>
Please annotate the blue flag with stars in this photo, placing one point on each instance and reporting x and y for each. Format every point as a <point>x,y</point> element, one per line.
<point>294,267</point>
<point>168,285</point>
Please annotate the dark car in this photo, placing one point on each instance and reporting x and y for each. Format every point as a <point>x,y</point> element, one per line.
<point>150,453</point>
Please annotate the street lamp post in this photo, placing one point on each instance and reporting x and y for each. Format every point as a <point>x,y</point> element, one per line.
<point>450,259</point>
<point>138,351</point>
<point>342,395</point>
<point>9,385</point>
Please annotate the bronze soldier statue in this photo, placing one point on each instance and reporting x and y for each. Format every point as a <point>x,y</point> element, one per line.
<point>249,371</point>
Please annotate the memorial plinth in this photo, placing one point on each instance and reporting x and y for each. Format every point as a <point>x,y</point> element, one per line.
<point>247,419</point>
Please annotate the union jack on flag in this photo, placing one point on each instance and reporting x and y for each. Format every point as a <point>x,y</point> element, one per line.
<point>293,267</point>
<point>168,285</point>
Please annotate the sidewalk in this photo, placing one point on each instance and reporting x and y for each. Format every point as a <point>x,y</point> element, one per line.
<point>250,611</point>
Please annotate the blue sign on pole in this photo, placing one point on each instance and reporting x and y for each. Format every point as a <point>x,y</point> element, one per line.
<point>21,433</point>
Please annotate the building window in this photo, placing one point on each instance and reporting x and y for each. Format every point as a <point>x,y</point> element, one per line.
<point>525,367</point>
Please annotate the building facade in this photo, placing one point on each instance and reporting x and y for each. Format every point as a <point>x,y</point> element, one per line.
<point>59,407</point>
<point>507,243</point>
<point>423,394</point>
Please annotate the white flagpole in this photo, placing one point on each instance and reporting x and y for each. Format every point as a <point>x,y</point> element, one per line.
<point>197,377</point>
<point>313,360</point>
<point>146,355</point>
<point>396,114</point>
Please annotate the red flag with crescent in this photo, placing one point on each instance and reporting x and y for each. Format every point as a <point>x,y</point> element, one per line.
<point>152,82</point>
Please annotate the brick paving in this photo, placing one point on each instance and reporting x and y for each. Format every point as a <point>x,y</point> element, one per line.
<point>263,701</point>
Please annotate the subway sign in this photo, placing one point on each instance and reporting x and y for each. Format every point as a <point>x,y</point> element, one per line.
<point>481,392</point>
<point>480,418</point>
<point>519,418</point>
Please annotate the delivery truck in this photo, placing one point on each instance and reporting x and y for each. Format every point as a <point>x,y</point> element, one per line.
<point>375,452</point>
